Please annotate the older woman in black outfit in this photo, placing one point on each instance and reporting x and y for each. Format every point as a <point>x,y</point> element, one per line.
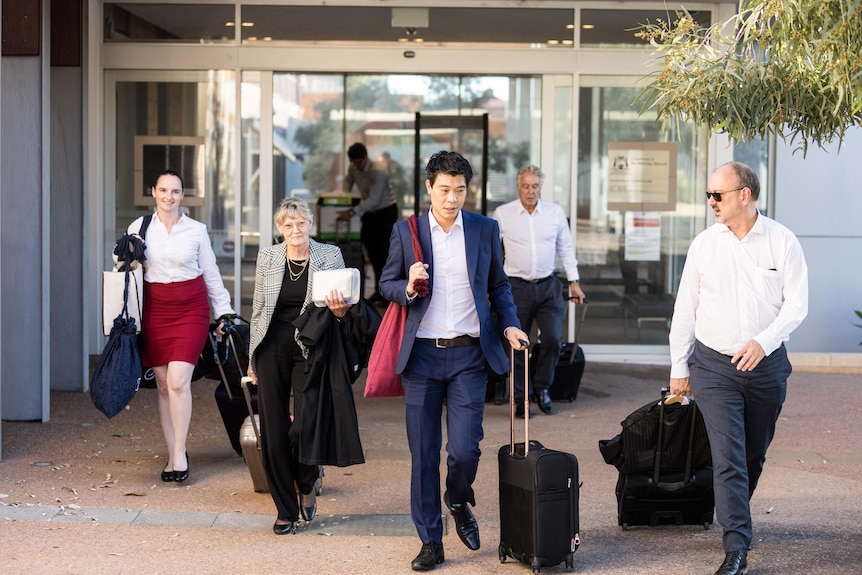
<point>282,293</point>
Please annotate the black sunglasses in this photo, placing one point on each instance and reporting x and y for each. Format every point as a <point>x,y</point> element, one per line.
<point>717,195</point>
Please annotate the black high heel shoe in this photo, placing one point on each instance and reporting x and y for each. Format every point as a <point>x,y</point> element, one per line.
<point>288,528</point>
<point>308,505</point>
<point>180,476</point>
<point>167,475</point>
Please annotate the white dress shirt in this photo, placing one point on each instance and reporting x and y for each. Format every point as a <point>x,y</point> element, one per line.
<point>532,241</point>
<point>733,291</point>
<point>181,255</point>
<point>451,311</point>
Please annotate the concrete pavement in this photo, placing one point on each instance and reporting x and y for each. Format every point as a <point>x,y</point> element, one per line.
<point>82,494</point>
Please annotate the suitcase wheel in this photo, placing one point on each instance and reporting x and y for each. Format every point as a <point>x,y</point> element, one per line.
<point>570,562</point>
<point>502,551</point>
<point>625,526</point>
<point>706,526</point>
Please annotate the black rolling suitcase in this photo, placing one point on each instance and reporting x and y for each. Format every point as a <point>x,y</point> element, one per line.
<point>665,466</point>
<point>570,366</point>
<point>230,365</point>
<point>538,498</point>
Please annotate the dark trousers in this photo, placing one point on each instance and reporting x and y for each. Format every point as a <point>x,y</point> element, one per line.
<point>375,233</point>
<point>740,409</point>
<point>456,375</point>
<point>280,367</point>
<point>543,302</point>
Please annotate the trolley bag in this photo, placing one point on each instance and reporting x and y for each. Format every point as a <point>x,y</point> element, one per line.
<point>538,497</point>
<point>570,366</point>
<point>678,488</point>
<point>249,438</point>
<point>230,356</point>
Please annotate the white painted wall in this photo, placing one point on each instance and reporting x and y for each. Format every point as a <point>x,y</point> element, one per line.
<point>819,197</point>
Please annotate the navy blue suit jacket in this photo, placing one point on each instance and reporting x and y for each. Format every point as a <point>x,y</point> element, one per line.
<point>491,289</point>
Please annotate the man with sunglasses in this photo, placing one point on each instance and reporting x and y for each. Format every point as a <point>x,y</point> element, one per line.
<point>744,289</point>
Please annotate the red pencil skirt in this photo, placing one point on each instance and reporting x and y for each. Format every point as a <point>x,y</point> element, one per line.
<point>175,323</point>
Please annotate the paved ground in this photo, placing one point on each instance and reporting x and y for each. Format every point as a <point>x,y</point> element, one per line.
<point>81,494</point>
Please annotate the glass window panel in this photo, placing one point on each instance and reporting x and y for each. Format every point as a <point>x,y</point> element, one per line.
<point>182,114</point>
<point>632,298</point>
<point>313,129</point>
<point>618,27</point>
<point>536,27</point>
<point>250,178</point>
<point>562,192</point>
<point>756,155</point>
<point>183,23</point>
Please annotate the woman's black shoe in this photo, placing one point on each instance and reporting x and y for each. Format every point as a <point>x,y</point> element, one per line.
<point>308,505</point>
<point>167,475</point>
<point>284,528</point>
<point>184,474</point>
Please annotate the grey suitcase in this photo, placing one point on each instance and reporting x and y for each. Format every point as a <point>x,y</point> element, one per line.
<point>249,439</point>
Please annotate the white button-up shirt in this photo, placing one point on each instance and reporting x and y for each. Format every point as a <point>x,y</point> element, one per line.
<point>532,241</point>
<point>451,311</point>
<point>733,291</point>
<point>181,255</point>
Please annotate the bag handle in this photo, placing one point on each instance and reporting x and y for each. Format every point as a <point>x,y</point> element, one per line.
<point>420,285</point>
<point>526,399</point>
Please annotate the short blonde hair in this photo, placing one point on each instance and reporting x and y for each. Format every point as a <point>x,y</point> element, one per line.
<point>296,208</point>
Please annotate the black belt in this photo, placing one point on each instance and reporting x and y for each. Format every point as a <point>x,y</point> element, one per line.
<point>460,341</point>
<point>539,281</point>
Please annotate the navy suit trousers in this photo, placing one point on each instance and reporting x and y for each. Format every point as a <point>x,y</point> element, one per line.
<point>457,376</point>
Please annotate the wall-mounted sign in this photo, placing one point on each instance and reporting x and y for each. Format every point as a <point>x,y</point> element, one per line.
<point>642,176</point>
<point>643,236</point>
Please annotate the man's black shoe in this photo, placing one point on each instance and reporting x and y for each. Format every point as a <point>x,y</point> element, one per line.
<point>465,524</point>
<point>735,563</point>
<point>543,400</point>
<point>519,410</point>
<point>430,556</point>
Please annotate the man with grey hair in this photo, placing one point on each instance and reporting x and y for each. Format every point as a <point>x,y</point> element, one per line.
<point>534,232</point>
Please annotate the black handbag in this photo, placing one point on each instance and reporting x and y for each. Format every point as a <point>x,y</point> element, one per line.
<point>118,373</point>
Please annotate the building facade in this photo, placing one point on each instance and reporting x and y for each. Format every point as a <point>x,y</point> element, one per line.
<point>254,102</point>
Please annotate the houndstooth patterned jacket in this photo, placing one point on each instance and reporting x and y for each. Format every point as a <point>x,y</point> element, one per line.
<point>267,285</point>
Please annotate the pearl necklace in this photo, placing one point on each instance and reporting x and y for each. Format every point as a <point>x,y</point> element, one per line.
<point>296,275</point>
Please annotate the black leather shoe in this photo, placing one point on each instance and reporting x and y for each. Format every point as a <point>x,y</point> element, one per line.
<point>167,475</point>
<point>430,556</point>
<point>519,410</point>
<point>180,476</point>
<point>308,505</point>
<point>543,400</point>
<point>735,563</point>
<point>288,528</point>
<point>465,523</point>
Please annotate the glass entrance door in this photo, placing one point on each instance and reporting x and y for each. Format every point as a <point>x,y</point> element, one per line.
<point>639,205</point>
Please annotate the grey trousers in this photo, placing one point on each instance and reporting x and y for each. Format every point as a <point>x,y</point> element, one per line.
<point>740,410</point>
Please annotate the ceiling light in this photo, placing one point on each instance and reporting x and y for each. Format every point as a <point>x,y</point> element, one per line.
<point>570,26</point>
<point>230,24</point>
<point>588,26</point>
<point>553,42</point>
<point>568,42</point>
<point>247,24</point>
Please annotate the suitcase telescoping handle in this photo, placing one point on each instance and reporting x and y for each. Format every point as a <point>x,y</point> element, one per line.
<point>245,382</point>
<point>579,325</point>
<point>526,399</point>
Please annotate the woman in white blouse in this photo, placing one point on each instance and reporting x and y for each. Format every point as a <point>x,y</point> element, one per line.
<point>180,275</point>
